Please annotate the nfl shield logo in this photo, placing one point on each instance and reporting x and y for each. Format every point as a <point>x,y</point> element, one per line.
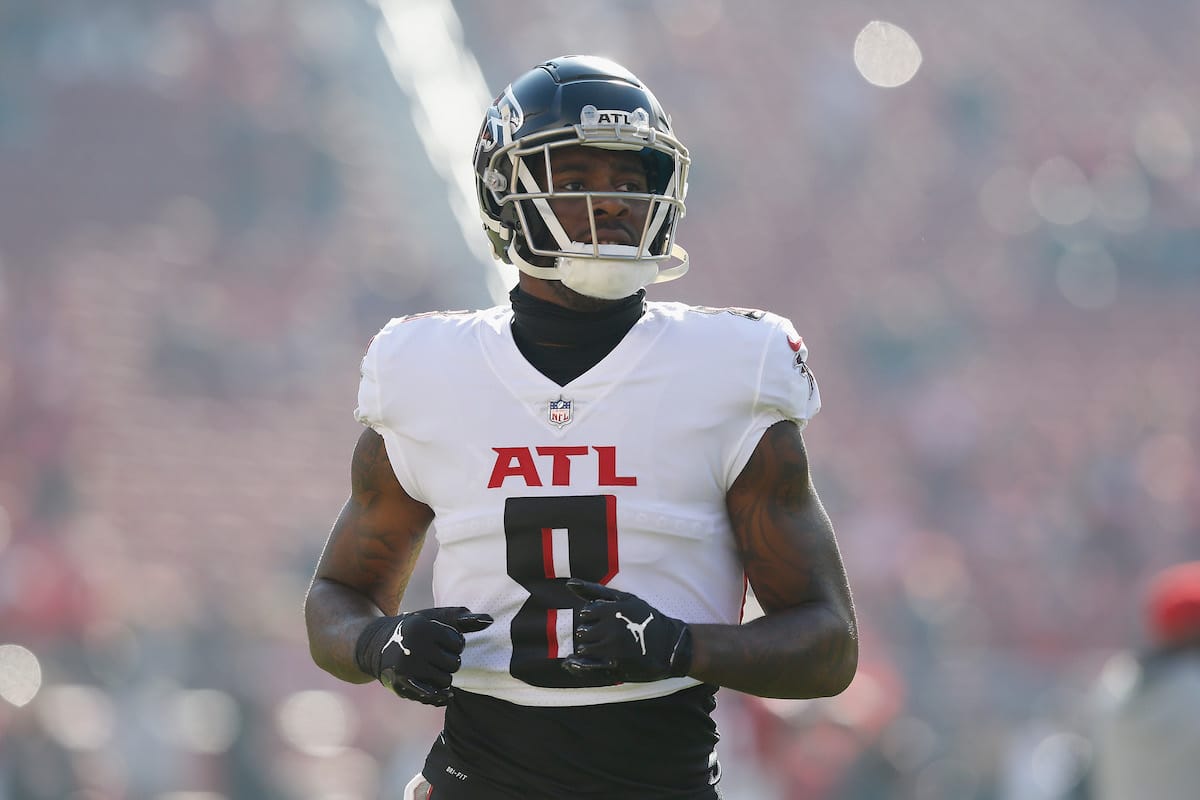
<point>560,412</point>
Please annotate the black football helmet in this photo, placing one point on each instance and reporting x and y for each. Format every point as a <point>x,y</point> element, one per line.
<point>577,100</point>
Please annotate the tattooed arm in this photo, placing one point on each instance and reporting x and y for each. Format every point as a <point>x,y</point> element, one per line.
<point>367,561</point>
<point>807,643</point>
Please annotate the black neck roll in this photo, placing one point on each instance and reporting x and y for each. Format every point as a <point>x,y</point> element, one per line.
<point>561,343</point>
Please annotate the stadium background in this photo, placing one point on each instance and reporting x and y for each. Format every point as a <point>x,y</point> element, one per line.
<point>207,208</point>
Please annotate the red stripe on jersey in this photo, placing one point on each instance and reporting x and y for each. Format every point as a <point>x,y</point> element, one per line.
<point>552,632</point>
<point>610,519</point>
<point>548,552</point>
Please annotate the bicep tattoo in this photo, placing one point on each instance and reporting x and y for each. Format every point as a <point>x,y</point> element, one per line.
<point>369,468</point>
<point>780,525</point>
<point>383,528</point>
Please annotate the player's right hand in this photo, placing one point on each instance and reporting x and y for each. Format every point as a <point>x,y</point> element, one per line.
<point>415,654</point>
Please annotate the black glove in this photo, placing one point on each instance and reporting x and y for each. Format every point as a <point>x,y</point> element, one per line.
<point>622,636</point>
<point>415,654</point>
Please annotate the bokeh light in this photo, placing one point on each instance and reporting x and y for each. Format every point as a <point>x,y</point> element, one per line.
<point>886,54</point>
<point>20,674</point>
<point>1122,195</point>
<point>203,720</point>
<point>1060,191</point>
<point>317,722</point>
<point>1164,144</point>
<point>77,717</point>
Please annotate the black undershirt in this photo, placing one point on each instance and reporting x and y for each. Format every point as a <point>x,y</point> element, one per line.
<point>562,344</point>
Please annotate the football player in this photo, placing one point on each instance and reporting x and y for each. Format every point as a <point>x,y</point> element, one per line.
<point>607,476</point>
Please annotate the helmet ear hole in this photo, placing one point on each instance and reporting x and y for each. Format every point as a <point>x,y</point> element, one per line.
<point>500,244</point>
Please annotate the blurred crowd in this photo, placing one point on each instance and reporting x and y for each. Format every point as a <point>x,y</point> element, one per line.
<point>207,208</point>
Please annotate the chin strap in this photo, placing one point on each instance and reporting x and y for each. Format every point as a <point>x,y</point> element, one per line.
<point>677,271</point>
<point>552,274</point>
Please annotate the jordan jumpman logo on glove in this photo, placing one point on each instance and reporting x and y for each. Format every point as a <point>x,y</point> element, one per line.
<point>621,636</point>
<point>638,629</point>
<point>416,654</point>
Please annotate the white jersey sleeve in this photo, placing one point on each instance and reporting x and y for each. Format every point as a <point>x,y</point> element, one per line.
<point>370,402</point>
<point>373,409</point>
<point>787,389</point>
<point>393,368</point>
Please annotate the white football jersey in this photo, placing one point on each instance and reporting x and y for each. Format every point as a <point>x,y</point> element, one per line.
<point>618,477</point>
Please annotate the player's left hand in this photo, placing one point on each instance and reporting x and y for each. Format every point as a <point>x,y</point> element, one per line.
<point>620,635</point>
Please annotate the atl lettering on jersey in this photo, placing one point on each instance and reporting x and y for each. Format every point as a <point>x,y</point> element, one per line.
<point>519,462</point>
